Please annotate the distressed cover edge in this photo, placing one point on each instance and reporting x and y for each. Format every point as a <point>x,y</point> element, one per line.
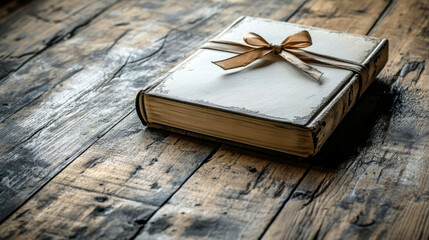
<point>315,125</point>
<point>324,124</point>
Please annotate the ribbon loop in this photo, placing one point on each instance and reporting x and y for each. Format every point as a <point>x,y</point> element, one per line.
<point>256,47</point>
<point>255,40</point>
<point>298,40</point>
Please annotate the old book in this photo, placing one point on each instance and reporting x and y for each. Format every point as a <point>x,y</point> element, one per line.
<point>270,103</point>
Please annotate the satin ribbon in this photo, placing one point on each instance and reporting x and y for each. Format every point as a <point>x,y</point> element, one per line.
<point>256,47</point>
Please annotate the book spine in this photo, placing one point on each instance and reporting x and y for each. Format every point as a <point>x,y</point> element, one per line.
<point>141,112</point>
<point>375,64</point>
<point>329,118</point>
<point>140,106</point>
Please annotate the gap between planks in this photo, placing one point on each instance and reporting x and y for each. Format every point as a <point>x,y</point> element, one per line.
<point>376,23</point>
<point>292,193</point>
<point>55,40</point>
<point>81,152</point>
<point>175,191</point>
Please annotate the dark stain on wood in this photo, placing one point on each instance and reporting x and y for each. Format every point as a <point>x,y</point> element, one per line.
<point>154,186</point>
<point>279,191</point>
<point>101,198</point>
<point>102,211</point>
<point>23,214</point>
<point>153,161</point>
<point>387,126</point>
<point>159,225</point>
<point>93,162</point>
<point>301,195</point>
<point>168,169</point>
<point>135,172</point>
<point>218,228</point>
<point>79,232</point>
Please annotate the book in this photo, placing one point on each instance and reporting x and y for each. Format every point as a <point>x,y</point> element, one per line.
<point>268,104</point>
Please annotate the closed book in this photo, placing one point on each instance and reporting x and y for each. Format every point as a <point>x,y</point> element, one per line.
<point>269,103</point>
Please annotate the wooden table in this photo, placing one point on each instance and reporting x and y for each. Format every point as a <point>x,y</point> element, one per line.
<point>77,163</point>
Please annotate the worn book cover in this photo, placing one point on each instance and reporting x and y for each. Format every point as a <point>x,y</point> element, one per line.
<point>268,103</point>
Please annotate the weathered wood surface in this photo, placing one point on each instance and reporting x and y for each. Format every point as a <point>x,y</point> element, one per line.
<point>382,191</point>
<point>121,53</point>
<point>249,223</point>
<point>73,104</point>
<point>86,93</point>
<point>28,30</point>
<point>111,196</point>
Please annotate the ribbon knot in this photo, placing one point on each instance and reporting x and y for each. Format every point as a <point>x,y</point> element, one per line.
<point>256,47</point>
<point>277,49</point>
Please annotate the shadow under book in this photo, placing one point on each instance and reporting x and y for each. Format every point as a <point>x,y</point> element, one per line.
<point>270,103</point>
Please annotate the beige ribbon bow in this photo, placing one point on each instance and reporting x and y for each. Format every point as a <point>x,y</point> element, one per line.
<point>256,47</point>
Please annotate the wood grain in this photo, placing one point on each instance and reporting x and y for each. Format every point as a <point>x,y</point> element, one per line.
<point>381,190</point>
<point>117,179</point>
<point>37,26</point>
<point>234,195</point>
<point>117,67</point>
<point>111,195</point>
<point>196,212</point>
<point>90,91</point>
<point>344,16</point>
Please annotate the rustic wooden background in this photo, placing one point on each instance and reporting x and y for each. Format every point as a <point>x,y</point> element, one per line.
<point>77,163</point>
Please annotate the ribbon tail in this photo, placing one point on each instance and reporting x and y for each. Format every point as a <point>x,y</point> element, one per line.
<point>334,62</point>
<point>309,70</point>
<point>243,59</point>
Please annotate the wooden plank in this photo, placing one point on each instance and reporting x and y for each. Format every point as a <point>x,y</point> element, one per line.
<point>101,94</point>
<point>59,213</point>
<point>111,189</point>
<point>216,208</point>
<point>346,16</point>
<point>232,196</point>
<point>378,186</point>
<point>93,89</point>
<point>37,26</point>
<point>56,66</point>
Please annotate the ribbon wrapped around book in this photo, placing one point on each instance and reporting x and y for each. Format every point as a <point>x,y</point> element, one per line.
<point>256,47</point>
